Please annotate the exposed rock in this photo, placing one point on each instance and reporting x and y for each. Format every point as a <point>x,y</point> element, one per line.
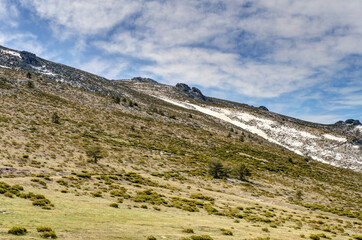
<point>353,122</point>
<point>30,58</point>
<point>141,79</point>
<point>183,87</point>
<point>263,108</point>
<point>193,92</point>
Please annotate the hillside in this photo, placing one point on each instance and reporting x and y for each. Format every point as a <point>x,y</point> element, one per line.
<point>155,144</point>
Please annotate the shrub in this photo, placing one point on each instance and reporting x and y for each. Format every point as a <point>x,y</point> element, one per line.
<point>114,205</point>
<point>17,231</point>
<point>241,172</point>
<point>8,194</point>
<point>97,194</point>
<point>265,229</point>
<point>41,202</point>
<point>48,235</point>
<point>226,232</point>
<point>44,229</point>
<point>201,196</point>
<point>151,238</point>
<point>315,236</point>
<point>201,237</point>
<point>188,230</point>
<point>84,175</point>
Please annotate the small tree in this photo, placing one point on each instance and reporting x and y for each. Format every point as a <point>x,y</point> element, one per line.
<point>30,84</point>
<point>28,75</point>
<point>241,172</point>
<point>55,118</point>
<point>116,99</point>
<point>95,152</point>
<point>216,169</point>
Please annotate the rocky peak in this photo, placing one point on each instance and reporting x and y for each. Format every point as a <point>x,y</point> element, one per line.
<point>30,58</point>
<point>193,92</point>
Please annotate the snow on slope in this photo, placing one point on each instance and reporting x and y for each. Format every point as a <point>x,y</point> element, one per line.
<point>326,148</point>
<point>16,54</point>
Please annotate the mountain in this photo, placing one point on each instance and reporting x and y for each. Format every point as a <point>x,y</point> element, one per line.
<point>82,144</point>
<point>339,144</point>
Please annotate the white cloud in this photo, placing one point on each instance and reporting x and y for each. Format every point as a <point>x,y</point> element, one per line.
<point>83,16</point>
<point>264,50</point>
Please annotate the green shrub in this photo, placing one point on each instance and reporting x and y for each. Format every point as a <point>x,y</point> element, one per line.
<point>201,196</point>
<point>84,175</point>
<point>226,232</point>
<point>314,237</point>
<point>359,237</point>
<point>44,229</point>
<point>41,202</point>
<point>188,230</point>
<point>114,205</point>
<point>201,237</point>
<point>17,231</point>
<point>8,194</point>
<point>48,235</point>
<point>97,194</point>
<point>149,196</point>
<point>151,238</point>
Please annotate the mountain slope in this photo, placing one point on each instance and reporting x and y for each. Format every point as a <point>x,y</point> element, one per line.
<point>154,163</point>
<point>306,139</point>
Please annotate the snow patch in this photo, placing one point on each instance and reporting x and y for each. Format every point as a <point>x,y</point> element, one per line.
<point>16,54</point>
<point>326,148</point>
<point>334,138</point>
<point>4,66</point>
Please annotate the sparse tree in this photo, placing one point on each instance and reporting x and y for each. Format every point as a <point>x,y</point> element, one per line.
<point>116,99</point>
<point>241,172</point>
<point>30,84</point>
<point>95,152</point>
<point>216,169</point>
<point>298,195</point>
<point>28,75</point>
<point>55,118</point>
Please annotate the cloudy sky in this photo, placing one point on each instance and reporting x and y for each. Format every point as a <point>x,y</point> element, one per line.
<point>299,58</point>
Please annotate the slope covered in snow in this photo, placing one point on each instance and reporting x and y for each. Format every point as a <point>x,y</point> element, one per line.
<point>324,147</point>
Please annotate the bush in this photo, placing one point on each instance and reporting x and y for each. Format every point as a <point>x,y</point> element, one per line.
<point>114,205</point>
<point>226,232</point>
<point>48,235</point>
<point>97,194</point>
<point>201,196</point>
<point>241,172</point>
<point>41,202</point>
<point>151,238</point>
<point>44,229</point>
<point>188,230</point>
<point>201,237</point>
<point>17,231</point>
<point>314,236</point>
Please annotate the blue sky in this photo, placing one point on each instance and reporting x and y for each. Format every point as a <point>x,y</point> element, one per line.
<point>298,58</point>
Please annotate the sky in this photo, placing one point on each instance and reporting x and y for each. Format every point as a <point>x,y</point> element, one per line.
<point>298,58</point>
